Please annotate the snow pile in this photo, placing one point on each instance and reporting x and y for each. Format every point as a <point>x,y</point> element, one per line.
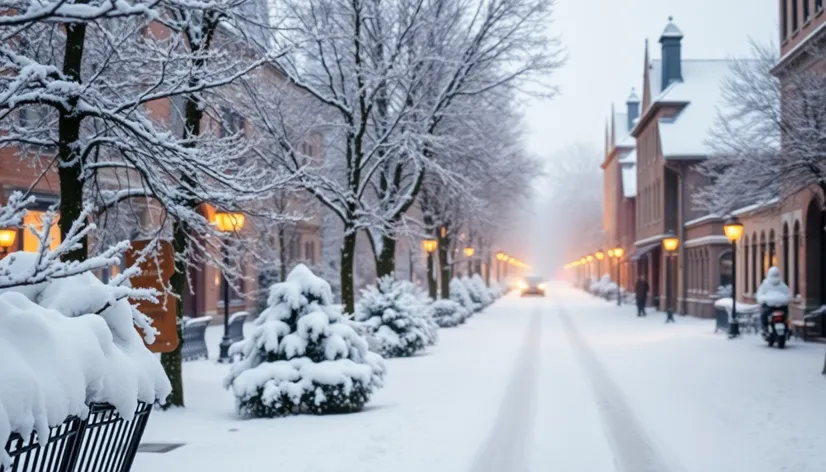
<point>448,313</point>
<point>603,287</point>
<point>772,291</point>
<point>478,290</point>
<point>496,292</point>
<point>397,314</point>
<point>459,294</point>
<point>302,355</point>
<point>67,343</point>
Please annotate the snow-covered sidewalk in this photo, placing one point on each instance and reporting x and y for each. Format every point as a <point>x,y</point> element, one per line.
<point>707,403</point>
<point>434,412</point>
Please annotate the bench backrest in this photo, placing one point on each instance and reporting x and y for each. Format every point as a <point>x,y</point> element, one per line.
<point>236,326</point>
<point>194,338</point>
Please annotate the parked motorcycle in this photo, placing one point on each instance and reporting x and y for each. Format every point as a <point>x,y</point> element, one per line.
<point>777,330</point>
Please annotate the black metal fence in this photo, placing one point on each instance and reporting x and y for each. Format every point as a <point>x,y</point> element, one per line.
<point>104,442</point>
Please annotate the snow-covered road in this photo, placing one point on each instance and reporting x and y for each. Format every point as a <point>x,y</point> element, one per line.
<point>566,383</point>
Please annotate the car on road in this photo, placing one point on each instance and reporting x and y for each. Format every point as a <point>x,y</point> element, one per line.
<point>532,285</point>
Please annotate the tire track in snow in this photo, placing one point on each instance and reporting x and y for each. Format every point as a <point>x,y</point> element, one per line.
<point>633,451</point>
<point>506,447</point>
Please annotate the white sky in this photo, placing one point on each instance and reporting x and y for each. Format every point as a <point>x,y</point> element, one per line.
<point>605,39</point>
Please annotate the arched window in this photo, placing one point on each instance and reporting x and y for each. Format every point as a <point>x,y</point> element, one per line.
<point>772,251</point>
<point>726,265</point>
<point>796,258</point>
<point>754,248</point>
<point>745,252</point>
<point>786,253</point>
<point>764,256</point>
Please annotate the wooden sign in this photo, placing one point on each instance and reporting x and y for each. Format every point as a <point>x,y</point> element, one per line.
<point>164,312</point>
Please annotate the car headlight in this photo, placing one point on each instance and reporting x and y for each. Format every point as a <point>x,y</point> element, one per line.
<point>542,287</point>
<point>522,285</point>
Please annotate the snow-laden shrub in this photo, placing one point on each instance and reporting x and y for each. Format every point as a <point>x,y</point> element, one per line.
<point>496,292</point>
<point>460,295</point>
<point>66,343</point>
<point>396,314</point>
<point>302,356</point>
<point>478,290</point>
<point>448,313</point>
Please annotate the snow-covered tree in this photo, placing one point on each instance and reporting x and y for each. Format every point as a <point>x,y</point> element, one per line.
<point>478,290</point>
<point>396,313</point>
<point>459,294</point>
<point>379,88</point>
<point>448,313</point>
<point>302,356</point>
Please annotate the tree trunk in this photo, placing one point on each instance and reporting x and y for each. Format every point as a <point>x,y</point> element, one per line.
<point>487,268</point>
<point>432,288</point>
<point>282,253</point>
<point>444,264</point>
<point>69,170</point>
<point>171,361</point>
<point>386,259</point>
<point>348,256</point>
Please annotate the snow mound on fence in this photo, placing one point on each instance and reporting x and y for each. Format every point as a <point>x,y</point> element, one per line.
<point>65,344</point>
<point>303,356</point>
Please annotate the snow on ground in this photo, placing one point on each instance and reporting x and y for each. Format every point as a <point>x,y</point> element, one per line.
<point>567,383</point>
<point>434,411</point>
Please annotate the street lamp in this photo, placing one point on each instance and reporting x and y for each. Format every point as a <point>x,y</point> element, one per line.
<point>227,222</point>
<point>617,253</point>
<point>670,244</point>
<point>7,238</point>
<point>430,246</point>
<point>600,255</point>
<point>734,231</point>
<point>469,252</point>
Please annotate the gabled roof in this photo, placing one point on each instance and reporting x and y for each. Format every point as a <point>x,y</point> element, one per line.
<point>700,96</point>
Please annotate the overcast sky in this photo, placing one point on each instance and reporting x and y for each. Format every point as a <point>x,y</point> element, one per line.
<point>605,41</point>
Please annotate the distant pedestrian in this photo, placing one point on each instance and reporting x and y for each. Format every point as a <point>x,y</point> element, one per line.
<point>641,290</point>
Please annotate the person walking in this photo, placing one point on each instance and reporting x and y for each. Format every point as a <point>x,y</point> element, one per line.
<point>641,290</point>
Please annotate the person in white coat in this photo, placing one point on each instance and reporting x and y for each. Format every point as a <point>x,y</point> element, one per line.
<point>773,294</point>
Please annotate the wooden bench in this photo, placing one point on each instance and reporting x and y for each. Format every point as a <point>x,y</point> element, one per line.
<point>811,325</point>
<point>193,344</point>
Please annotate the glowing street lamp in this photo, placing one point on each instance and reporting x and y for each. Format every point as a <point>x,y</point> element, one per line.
<point>7,238</point>
<point>734,231</point>
<point>227,222</point>
<point>430,246</point>
<point>469,252</point>
<point>617,253</point>
<point>670,243</point>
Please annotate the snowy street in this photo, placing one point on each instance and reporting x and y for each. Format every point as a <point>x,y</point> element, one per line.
<point>564,383</point>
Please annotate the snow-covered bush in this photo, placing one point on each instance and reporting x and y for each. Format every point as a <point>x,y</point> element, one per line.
<point>459,294</point>
<point>66,343</point>
<point>448,313</point>
<point>478,290</point>
<point>302,356</point>
<point>395,313</point>
<point>495,291</point>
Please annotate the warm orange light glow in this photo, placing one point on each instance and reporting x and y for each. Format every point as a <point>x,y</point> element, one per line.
<point>500,256</point>
<point>733,229</point>
<point>671,243</point>
<point>611,253</point>
<point>430,245</point>
<point>229,222</point>
<point>618,252</point>
<point>589,258</point>
<point>600,255</point>
<point>469,251</point>
<point>7,237</point>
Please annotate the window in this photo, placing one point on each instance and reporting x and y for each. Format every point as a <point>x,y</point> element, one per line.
<point>235,297</point>
<point>754,246</point>
<point>726,269</point>
<point>786,253</point>
<point>746,285</point>
<point>794,15</point>
<point>818,5</point>
<point>796,258</point>
<point>772,260</point>
<point>806,13</point>
<point>784,19</point>
<point>232,123</point>
<point>31,243</point>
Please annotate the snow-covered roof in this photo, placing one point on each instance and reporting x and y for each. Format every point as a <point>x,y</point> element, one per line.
<point>671,30</point>
<point>630,158</point>
<point>700,91</point>
<point>623,136</point>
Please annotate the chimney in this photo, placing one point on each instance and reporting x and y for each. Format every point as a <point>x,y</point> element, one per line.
<point>671,41</point>
<point>633,104</point>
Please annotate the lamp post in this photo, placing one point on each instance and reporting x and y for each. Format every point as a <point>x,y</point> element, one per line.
<point>670,244</point>
<point>617,253</point>
<point>430,246</point>
<point>734,230</point>
<point>599,255</point>
<point>227,223</point>
<point>7,238</point>
<point>590,260</point>
<point>500,256</point>
<point>469,252</point>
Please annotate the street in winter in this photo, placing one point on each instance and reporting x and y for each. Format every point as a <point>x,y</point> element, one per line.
<point>567,382</point>
<point>413,235</point>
